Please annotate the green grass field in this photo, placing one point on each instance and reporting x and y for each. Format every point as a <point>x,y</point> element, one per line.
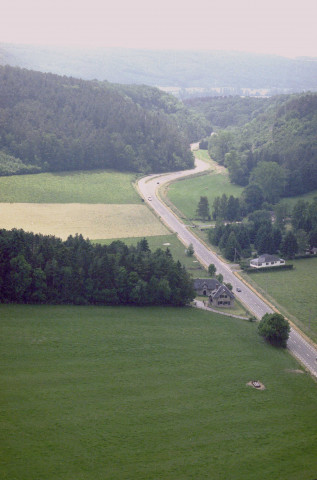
<point>294,291</point>
<point>185,194</point>
<point>147,394</point>
<point>96,204</point>
<point>104,186</point>
<point>307,197</point>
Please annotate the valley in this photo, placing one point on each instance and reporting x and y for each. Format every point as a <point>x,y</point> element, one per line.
<point>134,391</point>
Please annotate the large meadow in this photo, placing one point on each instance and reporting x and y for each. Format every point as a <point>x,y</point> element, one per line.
<point>102,204</point>
<point>149,393</point>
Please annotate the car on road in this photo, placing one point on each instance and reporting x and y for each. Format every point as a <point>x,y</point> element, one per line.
<point>149,198</point>
<point>238,289</point>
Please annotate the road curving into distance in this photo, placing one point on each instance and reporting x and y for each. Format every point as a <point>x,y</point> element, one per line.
<point>148,187</point>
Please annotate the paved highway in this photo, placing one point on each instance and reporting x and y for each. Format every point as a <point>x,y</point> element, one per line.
<point>148,187</point>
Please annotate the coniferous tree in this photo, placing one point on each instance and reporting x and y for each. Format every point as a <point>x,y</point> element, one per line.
<point>289,245</point>
<point>232,249</point>
<point>203,209</point>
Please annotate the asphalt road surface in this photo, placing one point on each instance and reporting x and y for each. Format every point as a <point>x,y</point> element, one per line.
<point>148,187</point>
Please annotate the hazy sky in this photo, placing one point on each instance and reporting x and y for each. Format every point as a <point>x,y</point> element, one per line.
<point>283,27</point>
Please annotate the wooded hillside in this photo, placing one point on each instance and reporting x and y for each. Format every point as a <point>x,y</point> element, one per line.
<point>276,150</point>
<point>229,111</point>
<point>53,123</point>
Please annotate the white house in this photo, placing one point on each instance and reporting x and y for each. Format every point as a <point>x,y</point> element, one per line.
<point>266,260</point>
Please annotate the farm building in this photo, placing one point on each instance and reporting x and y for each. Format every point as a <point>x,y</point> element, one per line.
<point>266,260</point>
<point>218,294</point>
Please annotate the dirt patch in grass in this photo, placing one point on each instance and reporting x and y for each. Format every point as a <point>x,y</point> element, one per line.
<point>256,384</point>
<point>93,221</point>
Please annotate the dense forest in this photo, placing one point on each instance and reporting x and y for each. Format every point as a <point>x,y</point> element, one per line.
<point>228,111</point>
<point>44,269</point>
<point>275,149</point>
<point>53,123</point>
<point>187,73</point>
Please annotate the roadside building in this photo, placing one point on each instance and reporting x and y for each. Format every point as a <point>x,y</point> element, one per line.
<point>218,294</point>
<point>265,260</point>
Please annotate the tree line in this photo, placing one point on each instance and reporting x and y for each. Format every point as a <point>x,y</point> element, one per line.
<point>230,208</point>
<point>236,241</point>
<point>54,123</point>
<point>44,269</point>
<point>268,234</point>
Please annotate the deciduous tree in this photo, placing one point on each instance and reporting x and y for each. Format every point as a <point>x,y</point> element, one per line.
<point>190,250</point>
<point>275,329</point>
<point>271,177</point>
<point>212,269</point>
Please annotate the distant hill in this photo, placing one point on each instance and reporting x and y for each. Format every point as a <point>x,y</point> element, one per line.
<point>184,73</point>
<point>51,123</point>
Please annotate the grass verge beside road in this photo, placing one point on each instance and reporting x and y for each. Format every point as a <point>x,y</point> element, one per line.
<point>147,393</point>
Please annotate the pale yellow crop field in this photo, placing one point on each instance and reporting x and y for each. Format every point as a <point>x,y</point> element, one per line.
<point>93,221</point>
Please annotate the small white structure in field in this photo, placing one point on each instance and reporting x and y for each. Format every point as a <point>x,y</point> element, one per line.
<point>266,260</point>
